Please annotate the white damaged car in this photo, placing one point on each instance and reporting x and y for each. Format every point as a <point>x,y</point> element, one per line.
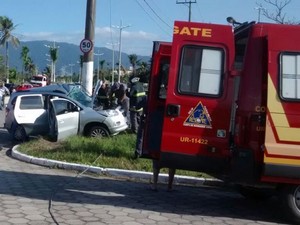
<point>53,112</point>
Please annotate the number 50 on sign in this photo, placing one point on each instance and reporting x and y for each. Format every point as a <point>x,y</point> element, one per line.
<point>86,45</point>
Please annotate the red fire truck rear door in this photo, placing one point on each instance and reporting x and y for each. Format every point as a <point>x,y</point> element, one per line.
<point>197,114</point>
<point>157,91</point>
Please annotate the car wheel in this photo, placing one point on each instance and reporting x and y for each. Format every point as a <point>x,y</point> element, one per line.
<point>290,198</point>
<point>98,131</point>
<point>20,134</point>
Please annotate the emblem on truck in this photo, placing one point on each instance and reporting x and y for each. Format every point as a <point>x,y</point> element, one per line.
<point>198,117</point>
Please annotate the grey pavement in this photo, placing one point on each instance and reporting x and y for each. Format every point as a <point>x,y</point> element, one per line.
<point>35,194</point>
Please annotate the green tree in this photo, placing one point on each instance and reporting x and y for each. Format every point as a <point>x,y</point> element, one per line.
<point>13,75</point>
<point>6,36</point>
<point>101,69</point>
<point>133,61</point>
<point>2,68</point>
<point>24,57</point>
<point>30,66</point>
<point>143,71</point>
<point>54,56</point>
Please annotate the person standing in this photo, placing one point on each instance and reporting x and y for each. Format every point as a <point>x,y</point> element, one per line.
<point>156,166</point>
<point>136,95</point>
<point>3,92</point>
<point>156,169</point>
<point>123,102</point>
<point>102,96</point>
<point>140,133</point>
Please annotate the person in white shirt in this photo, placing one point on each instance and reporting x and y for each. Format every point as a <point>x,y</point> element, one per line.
<point>3,91</point>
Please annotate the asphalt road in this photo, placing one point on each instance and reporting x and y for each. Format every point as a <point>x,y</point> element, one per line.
<point>31,194</point>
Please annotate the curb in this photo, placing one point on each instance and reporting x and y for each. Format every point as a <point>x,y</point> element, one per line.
<point>178,179</point>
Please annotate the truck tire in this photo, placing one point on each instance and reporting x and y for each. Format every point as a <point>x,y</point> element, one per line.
<point>255,193</point>
<point>290,198</point>
<point>98,132</point>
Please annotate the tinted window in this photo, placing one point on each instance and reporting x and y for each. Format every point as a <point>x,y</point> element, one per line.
<point>163,78</point>
<point>31,102</point>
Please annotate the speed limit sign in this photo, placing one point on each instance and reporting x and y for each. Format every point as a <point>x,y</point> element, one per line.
<point>86,45</point>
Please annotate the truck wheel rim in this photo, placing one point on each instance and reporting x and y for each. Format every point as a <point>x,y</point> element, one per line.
<point>297,197</point>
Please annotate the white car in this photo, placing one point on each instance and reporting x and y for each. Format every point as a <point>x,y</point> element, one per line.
<point>54,114</point>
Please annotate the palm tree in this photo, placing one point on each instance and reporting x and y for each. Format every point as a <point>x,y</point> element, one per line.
<point>133,61</point>
<point>6,28</point>
<point>2,67</point>
<point>53,56</point>
<point>30,66</point>
<point>24,57</point>
<point>143,71</point>
<point>101,69</point>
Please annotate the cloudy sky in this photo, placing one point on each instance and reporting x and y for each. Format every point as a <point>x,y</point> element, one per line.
<point>143,21</point>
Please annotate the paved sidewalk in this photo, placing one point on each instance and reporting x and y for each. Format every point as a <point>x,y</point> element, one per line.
<point>37,195</point>
<point>32,194</point>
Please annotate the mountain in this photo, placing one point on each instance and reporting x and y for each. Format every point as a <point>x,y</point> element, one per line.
<point>68,56</point>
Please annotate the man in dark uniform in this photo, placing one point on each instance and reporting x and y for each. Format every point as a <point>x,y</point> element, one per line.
<point>136,95</point>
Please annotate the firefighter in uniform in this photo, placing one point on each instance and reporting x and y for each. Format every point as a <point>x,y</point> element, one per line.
<point>136,95</point>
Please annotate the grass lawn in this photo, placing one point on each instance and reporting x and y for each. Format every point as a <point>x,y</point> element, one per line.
<point>114,152</point>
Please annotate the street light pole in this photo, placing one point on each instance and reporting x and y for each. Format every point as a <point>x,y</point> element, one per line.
<point>71,65</point>
<point>52,48</point>
<point>113,61</point>
<point>121,27</point>
<point>98,54</point>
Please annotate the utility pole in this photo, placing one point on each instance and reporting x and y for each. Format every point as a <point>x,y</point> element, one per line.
<point>88,57</point>
<point>121,27</point>
<point>190,5</point>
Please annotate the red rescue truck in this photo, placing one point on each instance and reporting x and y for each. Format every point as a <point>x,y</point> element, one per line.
<point>226,101</point>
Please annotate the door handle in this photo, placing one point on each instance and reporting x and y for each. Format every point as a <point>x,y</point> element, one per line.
<point>173,110</point>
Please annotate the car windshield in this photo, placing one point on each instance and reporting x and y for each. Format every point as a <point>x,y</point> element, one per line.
<point>74,91</point>
<point>78,93</point>
<point>37,78</point>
